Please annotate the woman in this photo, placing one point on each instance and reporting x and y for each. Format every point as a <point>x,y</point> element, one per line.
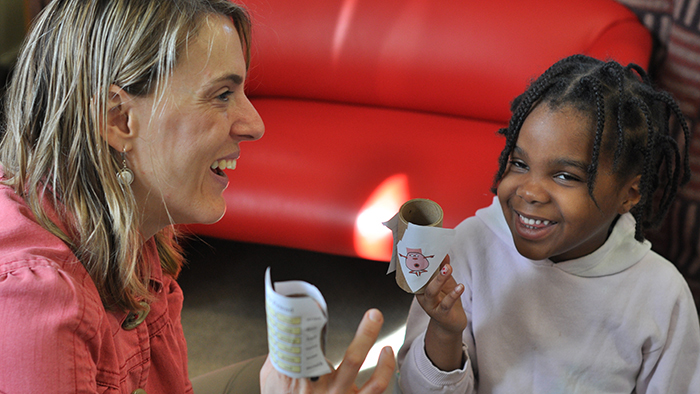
<point>121,116</point>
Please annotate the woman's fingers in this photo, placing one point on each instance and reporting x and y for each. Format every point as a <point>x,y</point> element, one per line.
<point>366,335</point>
<point>274,382</point>
<point>343,379</point>
<point>383,373</point>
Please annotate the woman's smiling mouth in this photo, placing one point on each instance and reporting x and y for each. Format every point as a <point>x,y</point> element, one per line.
<point>218,166</point>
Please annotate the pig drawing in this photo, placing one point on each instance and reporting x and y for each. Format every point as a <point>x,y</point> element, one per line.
<point>416,262</point>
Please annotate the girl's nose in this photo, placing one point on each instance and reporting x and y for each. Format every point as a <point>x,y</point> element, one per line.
<point>532,192</point>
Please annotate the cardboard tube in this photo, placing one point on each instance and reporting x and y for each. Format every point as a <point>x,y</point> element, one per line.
<point>421,212</point>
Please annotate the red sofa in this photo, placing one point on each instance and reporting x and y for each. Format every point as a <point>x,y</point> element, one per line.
<point>368,103</point>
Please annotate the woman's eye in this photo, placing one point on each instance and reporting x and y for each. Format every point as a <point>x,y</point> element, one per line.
<point>225,95</point>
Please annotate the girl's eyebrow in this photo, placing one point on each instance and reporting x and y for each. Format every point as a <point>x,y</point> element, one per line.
<point>561,162</point>
<point>519,151</point>
<point>572,163</point>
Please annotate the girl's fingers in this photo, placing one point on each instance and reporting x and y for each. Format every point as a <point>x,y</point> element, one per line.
<point>449,300</point>
<point>446,260</point>
<point>436,286</point>
<point>366,335</point>
<point>382,375</point>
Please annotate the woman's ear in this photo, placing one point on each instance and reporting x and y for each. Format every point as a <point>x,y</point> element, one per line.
<point>120,130</point>
<point>631,194</point>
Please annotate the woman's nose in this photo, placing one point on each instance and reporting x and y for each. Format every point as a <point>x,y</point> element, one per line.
<point>249,125</point>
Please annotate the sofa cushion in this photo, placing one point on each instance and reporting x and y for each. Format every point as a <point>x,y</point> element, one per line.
<point>465,58</point>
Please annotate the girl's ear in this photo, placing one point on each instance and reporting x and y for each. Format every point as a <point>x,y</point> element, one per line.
<point>120,125</point>
<point>631,194</point>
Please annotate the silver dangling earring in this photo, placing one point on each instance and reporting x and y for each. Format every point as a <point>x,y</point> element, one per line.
<point>125,176</point>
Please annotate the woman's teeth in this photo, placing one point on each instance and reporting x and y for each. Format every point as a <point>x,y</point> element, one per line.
<point>223,165</point>
<point>533,222</point>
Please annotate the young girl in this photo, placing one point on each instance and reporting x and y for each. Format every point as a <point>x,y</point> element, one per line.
<point>558,290</point>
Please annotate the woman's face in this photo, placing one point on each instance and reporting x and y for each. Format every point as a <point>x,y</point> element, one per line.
<point>199,123</point>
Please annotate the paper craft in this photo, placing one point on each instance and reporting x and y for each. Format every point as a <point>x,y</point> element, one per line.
<point>297,318</point>
<point>420,244</point>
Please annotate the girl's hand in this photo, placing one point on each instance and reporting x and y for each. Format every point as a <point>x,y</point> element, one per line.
<point>342,380</point>
<point>441,301</point>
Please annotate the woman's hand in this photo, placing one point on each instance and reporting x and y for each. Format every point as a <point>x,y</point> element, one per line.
<point>342,380</point>
<point>441,301</point>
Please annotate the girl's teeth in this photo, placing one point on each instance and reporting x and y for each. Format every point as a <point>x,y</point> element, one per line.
<point>533,222</point>
<point>224,164</point>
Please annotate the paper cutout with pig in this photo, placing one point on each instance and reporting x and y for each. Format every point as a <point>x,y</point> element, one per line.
<point>421,250</point>
<point>416,262</point>
<point>420,243</point>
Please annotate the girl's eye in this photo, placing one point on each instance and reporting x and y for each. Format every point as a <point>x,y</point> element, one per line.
<point>567,177</point>
<point>225,95</point>
<point>518,164</point>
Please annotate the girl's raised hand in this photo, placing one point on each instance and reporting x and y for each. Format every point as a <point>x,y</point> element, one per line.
<point>342,380</point>
<point>441,301</point>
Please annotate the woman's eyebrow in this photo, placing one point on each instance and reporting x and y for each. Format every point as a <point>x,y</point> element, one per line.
<point>234,78</point>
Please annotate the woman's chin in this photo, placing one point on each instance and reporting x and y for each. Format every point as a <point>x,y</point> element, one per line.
<point>221,216</point>
<point>214,217</point>
<point>209,216</point>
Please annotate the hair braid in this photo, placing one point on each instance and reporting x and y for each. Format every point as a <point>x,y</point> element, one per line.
<point>598,137</point>
<point>670,149</point>
<point>617,70</point>
<point>671,103</point>
<point>648,182</point>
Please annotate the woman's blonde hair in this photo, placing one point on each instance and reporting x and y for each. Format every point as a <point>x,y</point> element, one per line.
<point>54,148</point>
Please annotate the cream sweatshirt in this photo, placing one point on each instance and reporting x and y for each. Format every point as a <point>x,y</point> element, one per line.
<point>620,320</point>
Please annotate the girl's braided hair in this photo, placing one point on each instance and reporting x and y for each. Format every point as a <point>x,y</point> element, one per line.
<point>621,100</point>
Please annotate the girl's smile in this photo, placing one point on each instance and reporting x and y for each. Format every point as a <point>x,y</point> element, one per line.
<point>544,191</point>
<point>532,228</point>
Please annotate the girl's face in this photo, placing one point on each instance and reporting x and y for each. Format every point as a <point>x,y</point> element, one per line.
<point>201,121</point>
<point>544,194</point>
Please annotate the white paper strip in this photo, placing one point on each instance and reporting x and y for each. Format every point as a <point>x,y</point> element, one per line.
<point>297,318</point>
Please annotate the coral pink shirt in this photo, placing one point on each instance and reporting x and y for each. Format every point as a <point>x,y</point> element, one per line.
<point>55,334</point>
